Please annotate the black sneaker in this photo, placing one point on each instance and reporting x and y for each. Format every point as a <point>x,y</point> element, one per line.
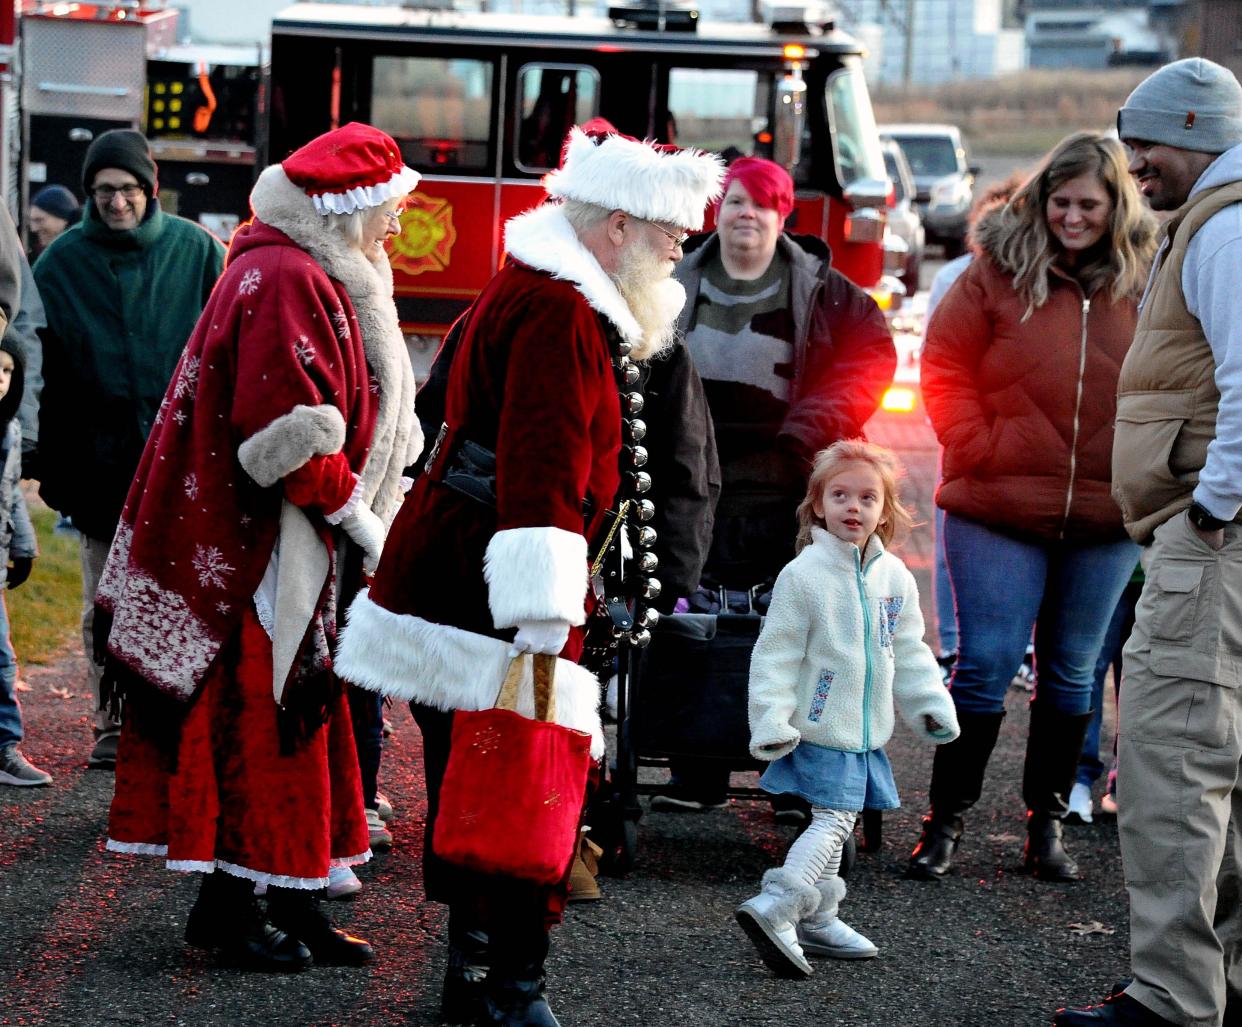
<point>676,799</point>
<point>16,770</point>
<point>103,756</point>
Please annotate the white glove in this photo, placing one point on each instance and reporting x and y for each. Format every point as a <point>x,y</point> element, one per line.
<point>540,636</point>
<point>368,531</point>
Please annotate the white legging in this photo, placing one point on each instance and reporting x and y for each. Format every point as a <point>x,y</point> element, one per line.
<point>816,852</point>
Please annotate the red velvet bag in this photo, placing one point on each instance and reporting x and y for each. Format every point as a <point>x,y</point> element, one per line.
<point>513,790</point>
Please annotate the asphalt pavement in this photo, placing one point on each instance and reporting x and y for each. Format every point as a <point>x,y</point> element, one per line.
<point>92,938</point>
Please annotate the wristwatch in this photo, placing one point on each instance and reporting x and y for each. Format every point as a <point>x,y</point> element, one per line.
<point>1201,517</point>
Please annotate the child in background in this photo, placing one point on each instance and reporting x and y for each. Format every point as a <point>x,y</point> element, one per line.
<point>17,553</point>
<point>842,640</point>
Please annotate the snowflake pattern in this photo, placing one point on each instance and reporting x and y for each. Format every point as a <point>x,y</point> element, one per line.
<point>211,566</point>
<point>180,416</point>
<point>249,284</point>
<point>341,320</point>
<point>375,386</point>
<point>223,607</point>
<point>890,611</point>
<point>245,520</point>
<point>191,486</point>
<point>159,414</point>
<point>303,350</point>
<point>187,380</point>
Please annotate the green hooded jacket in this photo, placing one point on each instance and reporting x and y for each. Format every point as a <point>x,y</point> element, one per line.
<point>120,307</point>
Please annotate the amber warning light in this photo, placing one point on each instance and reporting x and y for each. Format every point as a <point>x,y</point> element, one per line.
<point>794,51</point>
<point>898,399</point>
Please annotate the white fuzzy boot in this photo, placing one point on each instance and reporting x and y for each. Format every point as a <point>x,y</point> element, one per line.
<point>823,933</point>
<point>770,919</point>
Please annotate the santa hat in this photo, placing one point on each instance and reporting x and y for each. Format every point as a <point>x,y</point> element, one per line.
<point>354,167</point>
<point>618,172</point>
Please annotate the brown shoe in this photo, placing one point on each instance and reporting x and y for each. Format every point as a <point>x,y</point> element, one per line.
<point>583,886</point>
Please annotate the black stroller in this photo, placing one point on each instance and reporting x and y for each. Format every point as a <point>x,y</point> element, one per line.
<point>684,695</point>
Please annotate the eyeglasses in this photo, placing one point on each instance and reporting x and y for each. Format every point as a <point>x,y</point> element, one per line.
<point>105,193</point>
<point>394,218</point>
<point>676,240</point>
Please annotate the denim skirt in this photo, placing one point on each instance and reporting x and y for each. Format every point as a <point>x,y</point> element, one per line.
<point>834,778</point>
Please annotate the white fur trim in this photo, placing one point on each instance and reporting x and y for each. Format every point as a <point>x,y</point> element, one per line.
<point>445,667</point>
<point>536,574</point>
<point>350,506</point>
<point>398,438</point>
<point>191,866</point>
<point>363,197</point>
<point>137,848</point>
<point>290,440</point>
<point>795,899</point>
<point>543,239</point>
<point>624,174</point>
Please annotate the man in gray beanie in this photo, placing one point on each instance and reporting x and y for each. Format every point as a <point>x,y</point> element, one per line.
<point>122,292</point>
<point>1177,476</point>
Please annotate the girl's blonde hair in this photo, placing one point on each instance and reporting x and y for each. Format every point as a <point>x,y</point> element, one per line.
<point>1026,245</point>
<point>829,462</point>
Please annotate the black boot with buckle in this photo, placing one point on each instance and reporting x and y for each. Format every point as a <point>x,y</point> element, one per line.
<point>462,1000</point>
<point>516,989</point>
<point>957,781</point>
<point>227,919</point>
<point>297,912</point>
<point>1052,750</point>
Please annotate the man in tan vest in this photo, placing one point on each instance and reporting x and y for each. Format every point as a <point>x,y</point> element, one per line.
<point>1177,475</point>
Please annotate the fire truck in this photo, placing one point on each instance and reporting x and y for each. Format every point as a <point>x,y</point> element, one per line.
<point>85,68</point>
<point>480,103</point>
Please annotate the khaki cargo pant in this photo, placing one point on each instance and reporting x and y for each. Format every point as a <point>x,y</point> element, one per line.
<point>1178,794</point>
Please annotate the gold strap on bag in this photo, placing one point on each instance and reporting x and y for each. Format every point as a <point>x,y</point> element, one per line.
<point>543,672</point>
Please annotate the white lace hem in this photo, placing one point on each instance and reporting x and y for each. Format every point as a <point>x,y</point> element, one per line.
<point>352,861</point>
<point>137,848</point>
<point>351,504</point>
<point>364,197</point>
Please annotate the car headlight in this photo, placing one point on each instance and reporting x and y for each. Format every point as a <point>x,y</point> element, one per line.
<point>949,192</point>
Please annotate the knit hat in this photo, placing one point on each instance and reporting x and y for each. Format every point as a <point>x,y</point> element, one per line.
<point>645,179</point>
<point>57,201</point>
<point>125,149</point>
<point>354,167</point>
<point>1190,104</point>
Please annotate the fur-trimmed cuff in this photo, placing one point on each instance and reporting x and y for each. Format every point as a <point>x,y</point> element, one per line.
<point>536,574</point>
<point>351,504</point>
<point>449,668</point>
<point>831,892</point>
<point>795,899</point>
<point>290,440</point>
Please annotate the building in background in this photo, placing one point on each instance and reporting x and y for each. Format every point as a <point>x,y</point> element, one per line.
<point>1099,34</point>
<point>925,42</point>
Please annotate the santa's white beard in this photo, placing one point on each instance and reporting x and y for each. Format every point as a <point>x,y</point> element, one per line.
<point>655,298</point>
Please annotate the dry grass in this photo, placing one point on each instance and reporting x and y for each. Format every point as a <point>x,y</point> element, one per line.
<point>45,612</point>
<point>1022,114</point>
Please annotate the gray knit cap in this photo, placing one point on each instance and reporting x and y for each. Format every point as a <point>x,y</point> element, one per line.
<point>1192,104</point>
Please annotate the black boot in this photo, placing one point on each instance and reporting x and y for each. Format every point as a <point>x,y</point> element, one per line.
<point>1052,750</point>
<point>296,911</point>
<point>462,1001</point>
<point>226,917</point>
<point>957,781</point>
<point>516,987</point>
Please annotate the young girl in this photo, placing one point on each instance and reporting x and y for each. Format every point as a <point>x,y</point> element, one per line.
<point>842,640</point>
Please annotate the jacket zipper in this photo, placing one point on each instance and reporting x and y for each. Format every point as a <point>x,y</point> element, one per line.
<point>859,571</point>
<point>1082,370</point>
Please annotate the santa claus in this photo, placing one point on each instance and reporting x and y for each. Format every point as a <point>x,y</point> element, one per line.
<point>283,436</point>
<point>488,556</point>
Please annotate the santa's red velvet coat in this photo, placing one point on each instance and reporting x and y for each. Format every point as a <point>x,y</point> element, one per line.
<point>293,400</point>
<point>533,382</point>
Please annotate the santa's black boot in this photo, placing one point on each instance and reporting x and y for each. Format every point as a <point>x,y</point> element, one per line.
<point>462,1000</point>
<point>516,989</point>
<point>297,912</point>
<point>227,919</point>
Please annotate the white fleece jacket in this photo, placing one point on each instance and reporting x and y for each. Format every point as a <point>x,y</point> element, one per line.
<point>842,640</point>
<point>1210,287</point>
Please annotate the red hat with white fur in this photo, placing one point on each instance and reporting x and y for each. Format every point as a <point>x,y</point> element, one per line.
<point>354,167</point>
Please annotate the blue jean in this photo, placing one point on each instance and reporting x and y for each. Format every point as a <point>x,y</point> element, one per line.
<point>10,708</point>
<point>1003,586</point>
<point>1090,766</point>
<point>942,586</point>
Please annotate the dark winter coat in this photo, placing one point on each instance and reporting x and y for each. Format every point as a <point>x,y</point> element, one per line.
<point>1025,409</point>
<point>120,307</point>
<point>844,359</point>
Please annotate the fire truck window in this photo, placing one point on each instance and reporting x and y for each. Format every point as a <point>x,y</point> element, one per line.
<point>438,110</point>
<point>855,139</point>
<point>719,110</point>
<point>554,98</point>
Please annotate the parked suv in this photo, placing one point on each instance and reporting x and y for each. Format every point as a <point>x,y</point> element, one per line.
<point>943,178</point>
<point>904,220</point>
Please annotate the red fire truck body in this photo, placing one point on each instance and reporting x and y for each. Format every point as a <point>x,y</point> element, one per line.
<point>481,103</point>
